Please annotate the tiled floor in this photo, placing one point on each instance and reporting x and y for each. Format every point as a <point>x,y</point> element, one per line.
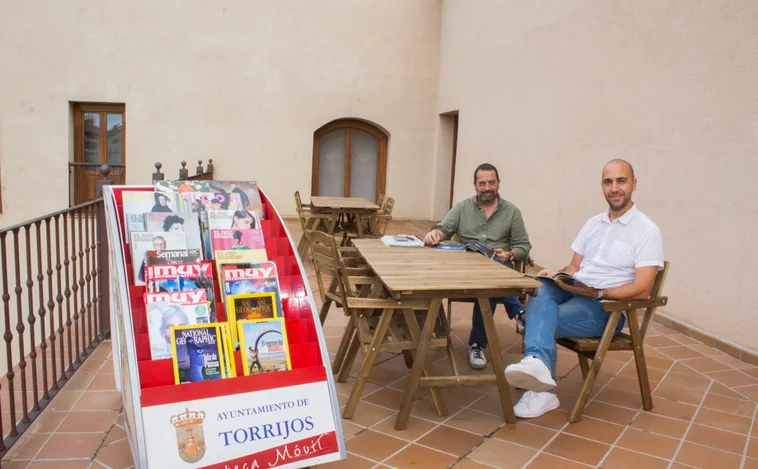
<point>705,405</point>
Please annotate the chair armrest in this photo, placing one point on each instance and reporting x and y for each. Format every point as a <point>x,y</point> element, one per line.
<point>625,305</point>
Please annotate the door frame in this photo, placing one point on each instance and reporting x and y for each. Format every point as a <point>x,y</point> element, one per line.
<point>349,125</point>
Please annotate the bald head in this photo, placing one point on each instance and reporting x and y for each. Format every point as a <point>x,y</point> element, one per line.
<point>620,164</point>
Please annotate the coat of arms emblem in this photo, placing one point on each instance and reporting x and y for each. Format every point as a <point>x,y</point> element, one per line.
<point>190,439</point>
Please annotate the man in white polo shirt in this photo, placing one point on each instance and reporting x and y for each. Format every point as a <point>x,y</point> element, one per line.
<point>617,254</point>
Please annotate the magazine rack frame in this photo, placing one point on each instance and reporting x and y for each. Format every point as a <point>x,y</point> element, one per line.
<point>287,419</point>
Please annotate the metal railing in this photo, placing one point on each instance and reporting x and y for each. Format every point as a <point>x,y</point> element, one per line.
<point>55,307</point>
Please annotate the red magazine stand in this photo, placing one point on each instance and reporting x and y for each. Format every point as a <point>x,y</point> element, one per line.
<point>287,419</point>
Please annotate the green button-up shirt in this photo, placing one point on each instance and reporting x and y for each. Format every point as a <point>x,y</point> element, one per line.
<point>503,229</point>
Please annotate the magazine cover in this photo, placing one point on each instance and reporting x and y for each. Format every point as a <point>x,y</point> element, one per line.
<point>228,358</point>
<point>233,219</point>
<point>139,202</point>
<point>249,306</point>
<point>256,277</point>
<point>183,277</point>
<point>181,186</point>
<point>140,243</point>
<point>186,222</point>
<point>205,201</point>
<point>135,222</point>
<point>247,191</point>
<point>173,256</point>
<point>264,347</point>
<point>197,353</point>
<point>231,240</point>
<point>166,310</point>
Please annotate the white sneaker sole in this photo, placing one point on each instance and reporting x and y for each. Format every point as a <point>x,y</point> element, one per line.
<point>522,380</point>
<point>477,367</point>
<point>553,406</point>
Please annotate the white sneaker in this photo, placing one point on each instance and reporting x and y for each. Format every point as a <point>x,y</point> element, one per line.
<point>533,404</point>
<point>476,359</point>
<point>530,374</point>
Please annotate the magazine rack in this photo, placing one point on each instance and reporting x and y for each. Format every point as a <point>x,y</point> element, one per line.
<point>287,419</point>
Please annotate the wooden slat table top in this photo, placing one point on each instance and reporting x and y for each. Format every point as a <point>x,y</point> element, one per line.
<point>438,271</point>
<point>343,203</point>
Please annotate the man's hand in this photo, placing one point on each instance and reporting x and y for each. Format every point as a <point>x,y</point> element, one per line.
<point>502,254</point>
<point>589,292</point>
<point>548,272</point>
<point>433,237</point>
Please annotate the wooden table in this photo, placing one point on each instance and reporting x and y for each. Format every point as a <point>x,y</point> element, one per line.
<point>433,274</point>
<point>346,207</point>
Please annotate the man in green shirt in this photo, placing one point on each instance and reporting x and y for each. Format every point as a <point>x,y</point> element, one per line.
<point>496,223</point>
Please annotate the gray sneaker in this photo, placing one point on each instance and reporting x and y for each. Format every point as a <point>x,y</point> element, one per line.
<point>520,322</point>
<point>476,358</point>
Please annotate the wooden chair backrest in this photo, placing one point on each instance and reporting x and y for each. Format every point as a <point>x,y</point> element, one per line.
<point>389,204</point>
<point>325,260</point>
<point>298,202</point>
<point>656,292</point>
<point>380,201</point>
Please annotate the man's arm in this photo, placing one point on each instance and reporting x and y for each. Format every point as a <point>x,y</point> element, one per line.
<point>449,225</point>
<point>644,279</point>
<point>520,244</point>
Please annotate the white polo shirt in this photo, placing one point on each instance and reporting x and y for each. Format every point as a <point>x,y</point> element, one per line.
<point>612,250</point>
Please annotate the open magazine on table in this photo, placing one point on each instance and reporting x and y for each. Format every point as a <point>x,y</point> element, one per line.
<point>474,246</point>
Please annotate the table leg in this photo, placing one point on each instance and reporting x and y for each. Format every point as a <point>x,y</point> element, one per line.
<point>497,360</point>
<point>333,224</point>
<point>421,358</point>
<point>410,319</point>
<point>373,226</point>
<point>359,225</point>
<point>376,342</point>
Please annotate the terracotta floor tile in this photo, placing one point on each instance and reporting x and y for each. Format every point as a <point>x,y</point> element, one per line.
<point>90,365</point>
<point>27,446</point>
<point>90,421</point>
<point>609,413</point>
<point>47,422</point>
<point>419,457</point>
<point>102,382</point>
<point>706,350</point>
<point>715,438</point>
<point>752,450</point>
<point>654,362</point>
<point>425,409</point>
<point>383,376</point>
<point>691,380</point>
<point>469,464</point>
<point>630,400</point>
<point>673,409</point>
<point>526,434</point>
<point>555,419</point>
<point>648,422</point>
<point>653,374</point>
<point>385,397</point>
<point>620,458</point>
<point>680,352</point>
<point>724,421</point>
<point>733,378</point>
<point>501,454</point>
<point>732,406</point>
<point>594,429</point>
<point>548,461</point>
<point>367,414</point>
<point>683,339</point>
<point>750,463</point>
<point>117,433</point>
<point>628,383</point>
<point>680,368</point>
<point>749,391</point>
<point>661,341</point>
<point>679,394</point>
<point>352,462</point>
<point>79,381</point>
<point>648,443</point>
<point>415,428</point>
<point>707,458</point>
<point>346,388</point>
<point>577,449</point>
<point>60,464</point>
<point>116,455</point>
<point>705,365</point>
<point>374,445</point>
<point>64,400</point>
<point>71,445</point>
<point>475,422</point>
<point>451,440</point>
<point>732,362</point>
<point>721,390</point>
<point>99,400</point>
<point>490,403</point>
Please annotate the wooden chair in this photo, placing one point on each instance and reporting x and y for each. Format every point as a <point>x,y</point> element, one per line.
<point>308,221</point>
<point>375,327</point>
<point>595,349</point>
<point>384,216</point>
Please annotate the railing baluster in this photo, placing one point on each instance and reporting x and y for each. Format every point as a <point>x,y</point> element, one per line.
<point>20,328</point>
<point>51,307</point>
<point>30,317</point>
<point>67,292</point>
<point>59,297</point>
<point>41,312</point>
<point>80,319</point>
<point>88,251</point>
<point>8,335</point>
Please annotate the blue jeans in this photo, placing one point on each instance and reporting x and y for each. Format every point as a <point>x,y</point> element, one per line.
<point>555,313</point>
<point>512,308</point>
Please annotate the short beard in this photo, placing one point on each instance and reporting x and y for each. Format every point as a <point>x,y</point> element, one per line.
<point>479,198</point>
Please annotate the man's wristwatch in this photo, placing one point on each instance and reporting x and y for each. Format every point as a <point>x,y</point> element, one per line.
<point>511,256</point>
<point>600,294</point>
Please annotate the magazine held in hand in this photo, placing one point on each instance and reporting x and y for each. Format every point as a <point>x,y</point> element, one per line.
<point>211,310</point>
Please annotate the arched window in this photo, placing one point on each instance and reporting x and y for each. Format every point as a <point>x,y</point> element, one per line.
<point>349,160</point>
